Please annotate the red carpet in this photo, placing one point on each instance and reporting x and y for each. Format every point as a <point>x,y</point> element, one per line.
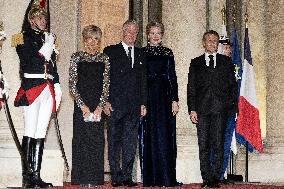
<point>185,186</point>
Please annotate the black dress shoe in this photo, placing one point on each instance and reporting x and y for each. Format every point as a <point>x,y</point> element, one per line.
<point>224,181</point>
<point>178,183</point>
<point>215,184</point>
<point>116,184</point>
<point>129,183</point>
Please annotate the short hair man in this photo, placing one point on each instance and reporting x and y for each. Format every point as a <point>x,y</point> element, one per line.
<point>128,93</point>
<point>211,98</point>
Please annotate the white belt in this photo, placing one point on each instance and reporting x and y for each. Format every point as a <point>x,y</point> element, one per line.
<point>43,76</point>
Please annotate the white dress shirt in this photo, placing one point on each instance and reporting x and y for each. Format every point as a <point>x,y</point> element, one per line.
<point>207,59</point>
<point>126,51</point>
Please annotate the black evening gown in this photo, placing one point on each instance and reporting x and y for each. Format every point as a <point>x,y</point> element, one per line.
<point>88,85</point>
<point>157,132</point>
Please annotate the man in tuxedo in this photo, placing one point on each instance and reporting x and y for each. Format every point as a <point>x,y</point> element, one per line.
<point>127,102</point>
<point>211,98</point>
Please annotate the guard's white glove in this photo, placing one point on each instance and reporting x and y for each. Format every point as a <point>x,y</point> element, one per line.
<point>58,94</point>
<point>47,48</point>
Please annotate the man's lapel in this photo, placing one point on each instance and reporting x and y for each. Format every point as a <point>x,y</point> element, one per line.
<point>122,51</point>
<point>137,58</point>
<point>203,61</point>
<point>126,64</point>
<point>218,59</point>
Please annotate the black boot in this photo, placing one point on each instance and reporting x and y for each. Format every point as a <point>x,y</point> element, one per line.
<point>36,166</point>
<point>27,147</point>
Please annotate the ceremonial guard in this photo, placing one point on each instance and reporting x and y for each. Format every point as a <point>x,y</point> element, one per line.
<point>40,93</point>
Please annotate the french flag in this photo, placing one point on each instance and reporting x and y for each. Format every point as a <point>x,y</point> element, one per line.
<point>248,124</point>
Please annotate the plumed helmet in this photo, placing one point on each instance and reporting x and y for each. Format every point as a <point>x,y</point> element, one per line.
<point>35,8</point>
<point>36,11</point>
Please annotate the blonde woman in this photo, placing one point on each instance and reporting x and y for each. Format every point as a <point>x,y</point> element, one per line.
<point>89,86</point>
<point>159,140</point>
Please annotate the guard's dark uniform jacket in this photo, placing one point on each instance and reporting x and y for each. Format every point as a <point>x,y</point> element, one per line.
<point>32,62</point>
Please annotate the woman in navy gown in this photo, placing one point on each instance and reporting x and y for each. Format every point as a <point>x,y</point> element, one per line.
<point>158,132</point>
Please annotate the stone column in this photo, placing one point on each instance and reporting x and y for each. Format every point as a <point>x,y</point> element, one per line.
<point>235,11</point>
<point>68,36</point>
<point>256,17</point>
<point>274,65</point>
<point>12,20</point>
<point>215,14</point>
<point>12,14</point>
<point>138,7</point>
<point>185,23</point>
<point>109,16</point>
<point>265,23</point>
<point>155,10</point>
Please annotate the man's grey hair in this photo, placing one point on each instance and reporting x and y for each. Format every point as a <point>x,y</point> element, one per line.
<point>130,22</point>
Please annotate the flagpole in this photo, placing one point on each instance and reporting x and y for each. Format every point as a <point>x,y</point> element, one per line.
<point>246,175</point>
<point>48,16</point>
<point>248,122</point>
<point>231,176</point>
<point>223,15</point>
<point>229,163</point>
<point>234,15</point>
<point>246,19</point>
<point>232,165</point>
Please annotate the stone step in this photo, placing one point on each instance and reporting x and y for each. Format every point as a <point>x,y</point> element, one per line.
<point>11,169</point>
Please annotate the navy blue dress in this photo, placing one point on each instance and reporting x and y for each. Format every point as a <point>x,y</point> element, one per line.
<point>157,132</point>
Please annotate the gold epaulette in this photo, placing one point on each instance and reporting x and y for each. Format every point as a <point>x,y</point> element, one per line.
<point>57,44</point>
<point>17,39</point>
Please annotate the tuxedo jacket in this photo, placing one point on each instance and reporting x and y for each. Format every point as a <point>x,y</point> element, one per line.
<point>211,90</point>
<point>128,86</point>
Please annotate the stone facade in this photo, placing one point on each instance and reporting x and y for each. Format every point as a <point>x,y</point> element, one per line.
<point>185,23</point>
<point>274,66</point>
<point>266,35</point>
